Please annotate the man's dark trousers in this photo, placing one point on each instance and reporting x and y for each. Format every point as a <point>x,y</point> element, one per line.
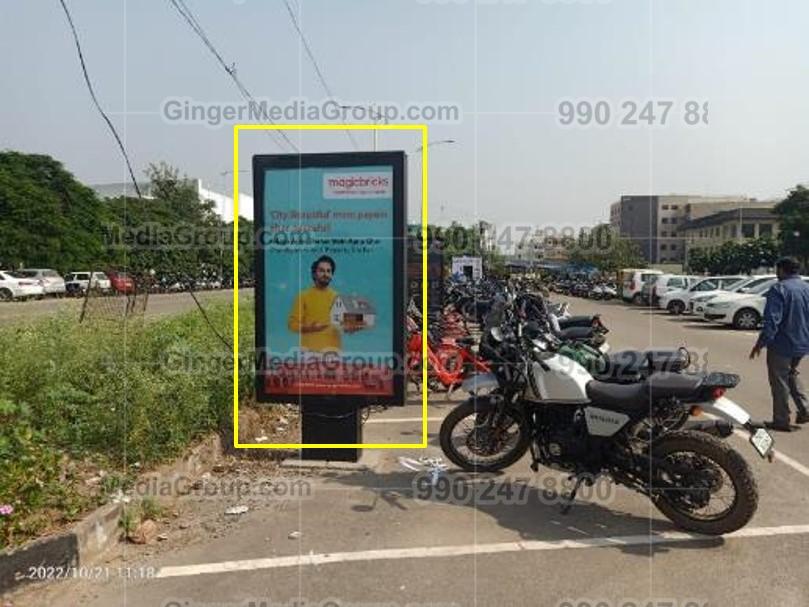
<point>784,381</point>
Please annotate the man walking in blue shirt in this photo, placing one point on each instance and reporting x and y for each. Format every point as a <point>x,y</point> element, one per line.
<point>785,334</point>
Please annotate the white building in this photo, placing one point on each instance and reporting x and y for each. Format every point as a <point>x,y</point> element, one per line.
<point>222,202</point>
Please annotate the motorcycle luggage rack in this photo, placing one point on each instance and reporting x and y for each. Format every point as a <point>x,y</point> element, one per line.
<point>717,379</point>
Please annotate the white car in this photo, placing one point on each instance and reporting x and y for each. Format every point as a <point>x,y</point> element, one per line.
<point>677,302</point>
<point>13,286</point>
<point>51,282</point>
<point>76,282</point>
<point>697,303</point>
<point>742,310</point>
<point>657,286</point>
<point>632,283</point>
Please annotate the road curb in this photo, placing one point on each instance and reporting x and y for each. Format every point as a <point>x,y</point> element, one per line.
<point>90,538</point>
<point>368,462</point>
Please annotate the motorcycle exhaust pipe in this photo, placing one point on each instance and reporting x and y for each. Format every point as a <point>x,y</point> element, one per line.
<point>716,427</point>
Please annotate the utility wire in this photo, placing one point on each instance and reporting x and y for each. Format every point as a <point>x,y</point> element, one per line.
<point>228,345</point>
<point>195,25</point>
<point>95,99</point>
<point>126,158</point>
<point>318,71</point>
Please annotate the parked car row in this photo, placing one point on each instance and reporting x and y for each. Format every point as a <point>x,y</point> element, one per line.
<point>742,310</point>
<point>679,301</point>
<point>735,300</point>
<point>39,283</point>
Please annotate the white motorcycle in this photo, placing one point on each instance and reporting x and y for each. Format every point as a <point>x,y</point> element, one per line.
<point>633,433</point>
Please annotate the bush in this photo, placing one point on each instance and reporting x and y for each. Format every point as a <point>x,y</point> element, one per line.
<point>30,481</point>
<point>97,391</point>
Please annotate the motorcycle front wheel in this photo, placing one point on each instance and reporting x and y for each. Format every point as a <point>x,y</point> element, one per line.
<point>702,484</point>
<point>479,436</point>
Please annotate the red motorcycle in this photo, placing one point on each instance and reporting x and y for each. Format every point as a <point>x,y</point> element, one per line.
<point>449,360</point>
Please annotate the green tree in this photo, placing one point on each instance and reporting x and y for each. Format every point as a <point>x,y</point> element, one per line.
<point>698,260</point>
<point>735,258</point>
<point>247,256</point>
<point>793,216</point>
<point>458,240</point>
<point>605,249</point>
<point>761,252</point>
<point>174,233</point>
<point>47,218</point>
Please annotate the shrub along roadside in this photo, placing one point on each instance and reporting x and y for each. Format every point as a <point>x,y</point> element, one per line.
<point>73,393</point>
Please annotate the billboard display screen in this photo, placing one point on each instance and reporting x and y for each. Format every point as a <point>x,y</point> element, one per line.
<point>435,273</point>
<point>330,282</point>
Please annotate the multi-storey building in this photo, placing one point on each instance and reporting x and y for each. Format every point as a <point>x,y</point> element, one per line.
<point>738,225</point>
<point>655,221</point>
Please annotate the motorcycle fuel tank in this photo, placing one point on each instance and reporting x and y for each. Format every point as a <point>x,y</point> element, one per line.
<point>558,379</point>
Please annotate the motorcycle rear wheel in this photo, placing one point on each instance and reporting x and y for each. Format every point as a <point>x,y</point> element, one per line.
<point>719,464</point>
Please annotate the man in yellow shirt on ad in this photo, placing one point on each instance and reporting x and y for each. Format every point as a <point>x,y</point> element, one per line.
<point>311,310</point>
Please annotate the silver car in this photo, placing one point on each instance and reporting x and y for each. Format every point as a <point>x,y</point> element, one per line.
<point>52,283</point>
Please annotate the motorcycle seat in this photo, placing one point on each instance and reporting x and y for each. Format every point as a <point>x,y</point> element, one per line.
<point>629,364</point>
<point>467,340</point>
<point>576,321</point>
<point>633,397</point>
<point>673,360</point>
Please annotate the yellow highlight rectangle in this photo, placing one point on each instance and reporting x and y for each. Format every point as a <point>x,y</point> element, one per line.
<point>330,127</point>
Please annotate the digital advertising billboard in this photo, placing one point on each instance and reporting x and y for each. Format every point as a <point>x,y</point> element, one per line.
<point>330,290</point>
<point>435,272</point>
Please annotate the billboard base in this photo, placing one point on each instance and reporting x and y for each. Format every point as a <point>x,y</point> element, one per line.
<point>327,422</point>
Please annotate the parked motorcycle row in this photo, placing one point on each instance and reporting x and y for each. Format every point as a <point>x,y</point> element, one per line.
<point>587,289</point>
<point>541,381</point>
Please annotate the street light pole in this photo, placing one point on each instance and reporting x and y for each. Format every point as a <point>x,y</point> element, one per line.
<point>429,145</point>
<point>432,143</point>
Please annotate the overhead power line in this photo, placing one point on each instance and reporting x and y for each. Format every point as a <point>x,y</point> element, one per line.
<point>95,99</point>
<point>181,7</point>
<point>318,71</point>
<point>128,164</point>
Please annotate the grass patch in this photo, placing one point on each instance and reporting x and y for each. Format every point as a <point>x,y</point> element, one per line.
<point>106,394</point>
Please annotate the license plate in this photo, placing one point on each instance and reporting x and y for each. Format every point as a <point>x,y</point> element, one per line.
<point>762,441</point>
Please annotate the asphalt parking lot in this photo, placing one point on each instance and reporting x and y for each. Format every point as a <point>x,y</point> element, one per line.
<point>364,537</point>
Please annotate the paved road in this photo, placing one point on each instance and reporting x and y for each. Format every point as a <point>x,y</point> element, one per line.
<point>365,539</point>
<point>17,312</point>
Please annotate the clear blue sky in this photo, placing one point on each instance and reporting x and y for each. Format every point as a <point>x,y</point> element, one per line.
<point>506,64</point>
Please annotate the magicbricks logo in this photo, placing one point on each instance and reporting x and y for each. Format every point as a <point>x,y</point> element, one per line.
<point>358,185</point>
